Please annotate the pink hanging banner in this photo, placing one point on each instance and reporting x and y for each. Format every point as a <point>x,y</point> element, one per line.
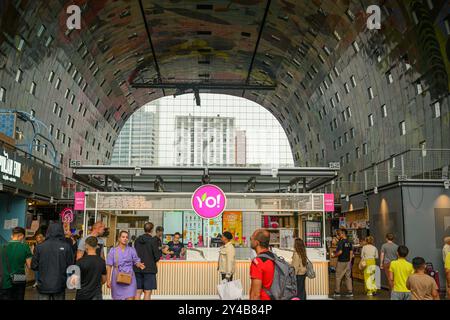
<point>328,202</point>
<point>79,201</point>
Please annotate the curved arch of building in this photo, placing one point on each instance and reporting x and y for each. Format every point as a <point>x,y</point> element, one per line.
<point>331,73</point>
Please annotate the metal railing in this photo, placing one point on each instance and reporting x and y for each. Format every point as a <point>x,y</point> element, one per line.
<point>421,164</point>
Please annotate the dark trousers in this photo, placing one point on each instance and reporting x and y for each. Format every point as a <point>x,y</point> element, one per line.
<point>224,277</point>
<point>16,292</point>
<point>301,290</point>
<point>52,296</point>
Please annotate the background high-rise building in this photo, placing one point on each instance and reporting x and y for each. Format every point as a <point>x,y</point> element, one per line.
<point>137,142</point>
<point>201,141</point>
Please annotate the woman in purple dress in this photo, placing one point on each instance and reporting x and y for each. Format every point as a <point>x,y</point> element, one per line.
<point>124,257</point>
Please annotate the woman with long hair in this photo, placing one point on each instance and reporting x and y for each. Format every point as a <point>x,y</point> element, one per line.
<point>119,267</point>
<point>369,254</point>
<point>299,262</point>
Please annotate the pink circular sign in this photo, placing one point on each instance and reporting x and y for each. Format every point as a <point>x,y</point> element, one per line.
<point>208,201</point>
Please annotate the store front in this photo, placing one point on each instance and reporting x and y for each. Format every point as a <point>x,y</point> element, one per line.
<point>285,215</point>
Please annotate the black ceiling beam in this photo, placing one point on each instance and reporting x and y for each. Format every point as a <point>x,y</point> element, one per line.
<point>203,86</point>
<point>147,29</point>
<point>263,22</point>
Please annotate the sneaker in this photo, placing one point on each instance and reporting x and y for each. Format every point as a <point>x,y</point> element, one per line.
<point>349,294</point>
<point>336,294</point>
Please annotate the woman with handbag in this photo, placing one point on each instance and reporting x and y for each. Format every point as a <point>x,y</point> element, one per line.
<point>369,254</point>
<point>300,264</point>
<point>119,267</point>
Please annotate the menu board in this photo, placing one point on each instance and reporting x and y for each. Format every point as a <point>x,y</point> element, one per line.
<point>172,223</point>
<point>212,227</point>
<point>232,222</point>
<point>192,227</point>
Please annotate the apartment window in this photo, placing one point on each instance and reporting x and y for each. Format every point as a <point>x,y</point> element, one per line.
<point>389,77</point>
<point>346,137</point>
<point>2,94</point>
<point>330,76</point>
<point>338,97</point>
<point>365,149</point>
<point>357,153</point>
<point>33,88</point>
<point>331,126</point>
<point>72,99</point>
<point>352,133</point>
<point>60,112</point>
<point>32,113</point>
<point>344,116</point>
<point>371,121</point>
<point>55,107</point>
<point>20,44</point>
<point>19,77</point>
<point>370,91</point>
<point>69,119</point>
<point>80,107</point>
<point>73,123</point>
<point>419,88</point>
<point>41,31</point>
<point>69,141</point>
<point>349,112</point>
<point>347,88</point>
<point>51,129</point>
<point>353,81</point>
<point>336,35</point>
<point>335,123</point>
<point>347,157</point>
<point>44,149</point>
<point>63,138</point>
<point>383,111</point>
<point>81,151</point>
<point>84,112</point>
<point>58,83</point>
<point>51,76</point>
<point>325,83</point>
<point>402,127</point>
<point>355,46</point>
<point>437,109</point>
<point>58,132</point>
<point>321,90</point>
<point>340,141</point>
<point>66,95</point>
<point>334,145</point>
<point>49,41</point>
<point>333,104</point>
<point>336,71</point>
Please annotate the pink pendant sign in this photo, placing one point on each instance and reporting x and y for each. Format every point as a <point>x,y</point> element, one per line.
<point>208,201</point>
<point>328,199</point>
<point>79,201</point>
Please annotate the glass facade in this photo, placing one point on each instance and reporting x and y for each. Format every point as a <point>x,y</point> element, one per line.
<point>223,131</point>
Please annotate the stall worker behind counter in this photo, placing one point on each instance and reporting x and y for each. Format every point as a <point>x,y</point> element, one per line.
<point>176,247</point>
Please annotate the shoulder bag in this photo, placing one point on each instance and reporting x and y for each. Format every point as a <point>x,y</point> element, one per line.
<point>122,277</point>
<point>310,273</point>
<point>16,278</point>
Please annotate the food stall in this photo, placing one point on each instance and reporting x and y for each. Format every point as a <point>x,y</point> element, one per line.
<point>196,274</point>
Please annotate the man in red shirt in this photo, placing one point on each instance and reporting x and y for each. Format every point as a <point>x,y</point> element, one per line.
<point>261,269</point>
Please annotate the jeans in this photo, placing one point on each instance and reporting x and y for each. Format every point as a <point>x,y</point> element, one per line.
<point>52,296</point>
<point>301,290</point>
<point>16,292</point>
<point>400,295</point>
<point>344,272</point>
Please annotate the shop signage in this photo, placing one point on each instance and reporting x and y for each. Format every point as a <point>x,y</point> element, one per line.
<point>9,168</point>
<point>208,201</point>
<point>79,201</point>
<point>66,215</point>
<point>328,199</point>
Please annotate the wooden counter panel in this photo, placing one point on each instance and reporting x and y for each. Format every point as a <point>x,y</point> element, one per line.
<point>201,278</point>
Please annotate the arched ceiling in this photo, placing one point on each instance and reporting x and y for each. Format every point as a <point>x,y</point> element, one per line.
<point>306,48</point>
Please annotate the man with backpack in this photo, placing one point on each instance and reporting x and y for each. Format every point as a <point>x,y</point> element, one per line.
<point>272,278</point>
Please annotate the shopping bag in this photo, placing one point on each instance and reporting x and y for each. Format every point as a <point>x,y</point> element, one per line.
<point>231,290</point>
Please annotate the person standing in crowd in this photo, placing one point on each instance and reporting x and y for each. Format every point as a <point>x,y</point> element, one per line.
<point>421,285</point>
<point>369,254</point>
<point>15,255</point>
<point>159,238</point>
<point>399,272</point>
<point>446,248</point>
<point>388,254</point>
<point>51,259</point>
<point>300,262</point>
<point>227,257</point>
<point>447,273</point>
<point>147,248</point>
<point>39,238</point>
<point>98,229</point>
<point>262,270</point>
<point>176,247</point>
<point>121,259</point>
<point>344,254</point>
<point>93,272</point>
<point>132,242</point>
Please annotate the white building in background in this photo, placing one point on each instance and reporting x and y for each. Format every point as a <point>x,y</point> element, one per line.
<point>137,144</point>
<point>201,141</point>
